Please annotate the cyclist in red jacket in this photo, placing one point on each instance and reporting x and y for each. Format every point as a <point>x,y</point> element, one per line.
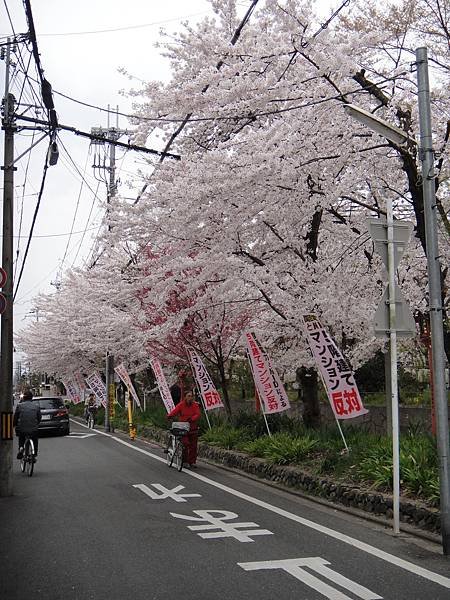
<point>188,411</point>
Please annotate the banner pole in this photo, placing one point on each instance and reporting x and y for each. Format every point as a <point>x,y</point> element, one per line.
<point>258,395</point>
<point>335,417</point>
<point>200,394</point>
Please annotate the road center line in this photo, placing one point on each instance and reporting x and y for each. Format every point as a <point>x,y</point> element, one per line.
<point>342,537</point>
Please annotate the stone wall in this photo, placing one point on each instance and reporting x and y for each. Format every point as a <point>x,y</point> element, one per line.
<point>418,418</point>
<point>414,513</point>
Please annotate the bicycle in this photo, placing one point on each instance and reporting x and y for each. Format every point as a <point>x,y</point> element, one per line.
<point>175,446</point>
<point>91,420</point>
<point>28,460</point>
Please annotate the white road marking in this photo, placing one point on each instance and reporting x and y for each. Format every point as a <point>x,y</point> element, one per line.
<point>165,493</point>
<point>293,566</point>
<point>79,436</point>
<point>341,537</point>
<point>216,519</point>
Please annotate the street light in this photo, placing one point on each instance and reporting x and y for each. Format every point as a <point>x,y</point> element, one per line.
<point>426,155</point>
<point>390,132</point>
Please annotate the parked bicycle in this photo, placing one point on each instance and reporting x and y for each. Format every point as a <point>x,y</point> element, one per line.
<point>28,459</point>
<point>175,446</point>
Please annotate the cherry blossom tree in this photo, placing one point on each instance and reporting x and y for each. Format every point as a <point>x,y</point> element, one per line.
<point>268,205</point>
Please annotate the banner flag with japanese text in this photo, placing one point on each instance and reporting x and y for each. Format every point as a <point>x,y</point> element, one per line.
<point>79,380</point>
<point>211,397</point>
<point>95,383</point>
<point>80,384</point>
<point>162,384</point>
<point>336,374</point>
<point>123,374</point>
<point>72,390</point>
<point>267,381</point>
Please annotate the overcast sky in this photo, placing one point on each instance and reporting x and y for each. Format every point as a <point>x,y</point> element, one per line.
<point>81,60</point>
<point>83,66</point>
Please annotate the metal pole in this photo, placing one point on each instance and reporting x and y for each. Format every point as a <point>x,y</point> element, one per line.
<point>434,288</point>
<point>109,409</point>
<point>6,344</point>
<point>388,389</point>
<point>335,417</point>
<point>393,367</point>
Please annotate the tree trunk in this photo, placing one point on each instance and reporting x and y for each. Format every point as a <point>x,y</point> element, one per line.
<point>308,394</point>
<point>224,386</point>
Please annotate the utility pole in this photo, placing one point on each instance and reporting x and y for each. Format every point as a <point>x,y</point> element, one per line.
<point>110,392</point>
<point>109,135</point>
<point>107,174</point>
<point>6,346</point>
<point>426,155</point>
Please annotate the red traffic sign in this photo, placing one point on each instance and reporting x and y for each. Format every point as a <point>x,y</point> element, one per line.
<point>2,303</point>
<point>2,277</point>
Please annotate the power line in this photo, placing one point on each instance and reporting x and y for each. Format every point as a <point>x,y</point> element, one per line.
<point>30,235</point>
<point>76,212</point>
<point>123,28</point>
<point>87,223</point>
<point>99,138</point>
<point>74,164</point>
<point>21,208</point>
<point>54,235</point>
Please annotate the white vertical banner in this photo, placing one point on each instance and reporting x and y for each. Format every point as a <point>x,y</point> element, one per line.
<point>162,384</point>
<point>95,383</point>
<point>80,384</point>
<point>72,390</point>
<point>210,396</point>
<point>267,381</point>
<point>337,376</point>
<point>123,374</point>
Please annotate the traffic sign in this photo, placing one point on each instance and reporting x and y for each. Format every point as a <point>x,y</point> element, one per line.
<point>3,277</point>
<point>2,303</point>
<point>405,325</point>
<point>404,320</point>
<point>402,233</point>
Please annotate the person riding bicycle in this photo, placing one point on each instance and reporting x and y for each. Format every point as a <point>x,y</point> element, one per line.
<point>26,421</point>
<point>91,407</point>
<point>188,411</point>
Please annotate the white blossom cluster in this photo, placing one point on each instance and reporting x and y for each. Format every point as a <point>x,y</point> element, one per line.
<point>264,218</point>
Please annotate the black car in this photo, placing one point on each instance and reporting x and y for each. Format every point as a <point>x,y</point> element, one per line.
<point>55,416</point>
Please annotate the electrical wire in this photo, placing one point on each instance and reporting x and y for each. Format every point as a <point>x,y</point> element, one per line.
<point>74,164</point>
<point>21,210</point>
<point>21,60</point>
<point>30,235</point>
<point>87,223</point>
<point>54,235</point>
<point>76,211</point>
<point>124,28</point>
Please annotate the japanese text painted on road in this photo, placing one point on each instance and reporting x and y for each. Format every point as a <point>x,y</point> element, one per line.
<point>219,520</point>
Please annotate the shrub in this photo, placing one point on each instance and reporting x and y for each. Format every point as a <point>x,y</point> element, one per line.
<point>225,436</point>
<point>282,448</point>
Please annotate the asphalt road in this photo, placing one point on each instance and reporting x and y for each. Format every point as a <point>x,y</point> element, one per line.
<point>105,518</point>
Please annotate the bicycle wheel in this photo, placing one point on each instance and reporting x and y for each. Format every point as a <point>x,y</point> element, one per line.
<point>29,457</point>
<point>91,421</point>
<point>169,455</point>
<point>23,462</point>
<point>178,455</point>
